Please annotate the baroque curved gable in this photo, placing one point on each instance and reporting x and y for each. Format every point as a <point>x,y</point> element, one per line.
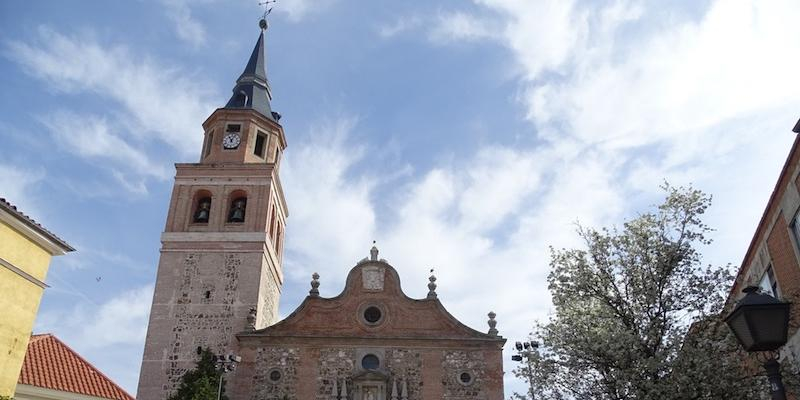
<point>372,284</point>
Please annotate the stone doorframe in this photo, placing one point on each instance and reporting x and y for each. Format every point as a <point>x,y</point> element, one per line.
<point>371,385</point>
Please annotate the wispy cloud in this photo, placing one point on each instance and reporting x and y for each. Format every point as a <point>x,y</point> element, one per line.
<point>91,137</point>
<point>148,103</point>
<point>401,25</point>
<point>483,223</point>
<point>324,199</point>
<point>107,333</point>
<point>187,27</point>
<point>299,9</point>
<point>619,101</point>
<point>16,185</point>
<point>162,102</point>
<point>460,26</point>
<point>91,257</point>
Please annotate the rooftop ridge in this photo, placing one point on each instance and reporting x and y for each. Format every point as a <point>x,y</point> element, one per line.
<point>52,364</point>
<point>12,209</point>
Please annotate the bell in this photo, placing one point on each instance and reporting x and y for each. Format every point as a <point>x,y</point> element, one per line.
<point>237,213</point>
<point>201,216</point>
<point>202,213</point>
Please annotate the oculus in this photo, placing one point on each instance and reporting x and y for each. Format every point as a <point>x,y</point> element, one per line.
<point>370,362</point>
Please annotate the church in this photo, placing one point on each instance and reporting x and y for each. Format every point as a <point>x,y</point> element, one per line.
<point>220,278</point>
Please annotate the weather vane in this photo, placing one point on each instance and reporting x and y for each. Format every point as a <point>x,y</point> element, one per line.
<point>267,11</point>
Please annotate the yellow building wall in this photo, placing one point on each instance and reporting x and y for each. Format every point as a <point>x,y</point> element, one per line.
<point>19,301</point>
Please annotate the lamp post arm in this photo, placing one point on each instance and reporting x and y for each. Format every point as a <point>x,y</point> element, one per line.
<point>219,387</point>
<point>776,388</point>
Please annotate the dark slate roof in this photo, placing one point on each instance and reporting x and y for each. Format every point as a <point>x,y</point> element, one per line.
<point>12,209</point>
<point>252,88</point>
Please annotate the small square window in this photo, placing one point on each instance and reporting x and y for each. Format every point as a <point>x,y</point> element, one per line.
<point>233,128</point>
<point>795,227</point>
<point>209,143</point>
<point>768,283</point>
<point>260,147</point>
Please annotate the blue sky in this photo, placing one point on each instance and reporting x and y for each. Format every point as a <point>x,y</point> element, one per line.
<point>463,136</point>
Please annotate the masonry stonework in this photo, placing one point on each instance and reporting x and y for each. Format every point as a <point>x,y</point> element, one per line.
<point>456,363</point>
<point>333,348</point>
<point>275,373</point>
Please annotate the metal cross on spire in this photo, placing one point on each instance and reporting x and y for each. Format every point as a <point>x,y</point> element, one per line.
<point>267,10</point>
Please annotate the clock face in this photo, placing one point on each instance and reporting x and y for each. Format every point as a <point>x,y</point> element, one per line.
<point>231,141</point>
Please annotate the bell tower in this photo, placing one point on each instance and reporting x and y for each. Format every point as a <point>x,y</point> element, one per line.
<point>220,270</point>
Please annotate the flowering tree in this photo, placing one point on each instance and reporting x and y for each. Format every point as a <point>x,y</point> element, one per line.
<point>636,314</point>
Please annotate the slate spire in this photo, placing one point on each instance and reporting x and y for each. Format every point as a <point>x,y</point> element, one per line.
<point>252,88</point>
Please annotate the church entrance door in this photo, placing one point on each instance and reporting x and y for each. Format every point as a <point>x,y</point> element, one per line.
<point>370,391</point>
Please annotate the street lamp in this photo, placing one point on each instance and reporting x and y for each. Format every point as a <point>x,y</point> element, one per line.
<point>760,323</point>
<point>225,364</point>
<point>527,350</point>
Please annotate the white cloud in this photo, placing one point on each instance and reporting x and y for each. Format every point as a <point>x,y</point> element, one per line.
<point>324,202</point>
<point>121,320</point>
<point>460,26</point>
<point>623,95</point>
<point>188,29</point>
<point>106,334</point>
<point>299,9</point>
<point>739,59</point>
<point>161,102</point>
<point>90,257</point>
<point>91,137</point>
<point>401,25</point>
<point>16,184</point>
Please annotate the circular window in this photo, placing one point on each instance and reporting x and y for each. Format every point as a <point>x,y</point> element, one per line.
<point>372,314</point>
<point>465,378</point>
<point>275,375</point>
<point>370,361</point>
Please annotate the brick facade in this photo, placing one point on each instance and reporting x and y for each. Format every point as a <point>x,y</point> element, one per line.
<point>775,245</point>
<point>421,350</point>
<point>213,272</point>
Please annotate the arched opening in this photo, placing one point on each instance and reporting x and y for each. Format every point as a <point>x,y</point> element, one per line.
<point>202,207</point>
<point>278,241</point>
<point>238,207</point>
<point>272,224</point>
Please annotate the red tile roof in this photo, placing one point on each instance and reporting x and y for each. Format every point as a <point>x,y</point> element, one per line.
<point>51,364</point>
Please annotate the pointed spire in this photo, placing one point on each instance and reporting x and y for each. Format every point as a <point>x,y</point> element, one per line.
<point>252,88</point>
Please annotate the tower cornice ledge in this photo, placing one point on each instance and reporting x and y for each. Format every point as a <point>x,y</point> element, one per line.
<point>245,114</point>
<point>256,237</point>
